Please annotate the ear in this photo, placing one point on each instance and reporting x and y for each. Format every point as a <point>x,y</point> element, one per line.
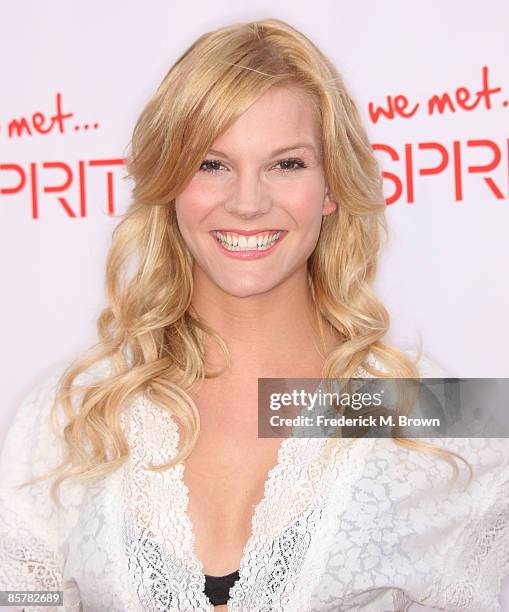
<point>329,204</point>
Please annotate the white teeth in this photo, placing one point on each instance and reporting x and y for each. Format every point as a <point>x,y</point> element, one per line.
<point>259,242</point>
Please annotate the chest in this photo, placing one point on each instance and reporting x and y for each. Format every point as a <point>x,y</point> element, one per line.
<point>225,477</point>
<point>223,490</point>
<point>320,529</point>
<point>150,533</point>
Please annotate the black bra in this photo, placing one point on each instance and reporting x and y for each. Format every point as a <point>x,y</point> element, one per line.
<point>217,587</point>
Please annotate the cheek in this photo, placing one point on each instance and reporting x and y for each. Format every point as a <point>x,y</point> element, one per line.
<point>302,199</point>
<point>191,207</point>
<point>305,203</point>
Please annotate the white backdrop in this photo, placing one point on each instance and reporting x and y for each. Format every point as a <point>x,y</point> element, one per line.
<point>75,76</point>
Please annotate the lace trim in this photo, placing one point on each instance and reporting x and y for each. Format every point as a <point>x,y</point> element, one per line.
<point>152,522</point>
<point>282,526</point>
<point>341,464</point>
<point>481,553</point>
<point>30,557</point>
<point>41,567</point>
<point>158,535</point>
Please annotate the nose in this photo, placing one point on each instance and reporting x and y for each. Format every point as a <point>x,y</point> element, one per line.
<point>249,198</point>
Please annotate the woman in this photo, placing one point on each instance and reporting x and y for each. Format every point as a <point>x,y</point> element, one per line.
<point>255,221</point>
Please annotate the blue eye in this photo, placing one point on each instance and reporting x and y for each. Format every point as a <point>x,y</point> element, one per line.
<point>292,164</point>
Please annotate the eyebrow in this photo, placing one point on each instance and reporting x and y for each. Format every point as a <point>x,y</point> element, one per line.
<point>299,145</point>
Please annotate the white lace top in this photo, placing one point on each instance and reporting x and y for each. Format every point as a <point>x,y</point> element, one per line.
<point>370,527</point>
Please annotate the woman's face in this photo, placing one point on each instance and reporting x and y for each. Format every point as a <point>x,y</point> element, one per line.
<point>249,190</point>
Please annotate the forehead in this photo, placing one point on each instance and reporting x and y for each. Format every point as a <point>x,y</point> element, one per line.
<point>279,117</point>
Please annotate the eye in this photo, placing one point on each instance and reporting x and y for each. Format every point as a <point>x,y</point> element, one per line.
<point>206,166</point>
<point>291,162</point>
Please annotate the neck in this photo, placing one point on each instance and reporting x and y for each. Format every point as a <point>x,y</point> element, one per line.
<point>272,330</point>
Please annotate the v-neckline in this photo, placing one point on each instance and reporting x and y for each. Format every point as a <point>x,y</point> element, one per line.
<point>270,480</point>
<point>158,440</point>
<point>270,514</point>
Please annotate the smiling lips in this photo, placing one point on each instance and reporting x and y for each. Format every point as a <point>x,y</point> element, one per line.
<point>242,243</point>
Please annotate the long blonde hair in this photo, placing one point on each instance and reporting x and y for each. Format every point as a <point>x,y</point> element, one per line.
<point>148,332</point>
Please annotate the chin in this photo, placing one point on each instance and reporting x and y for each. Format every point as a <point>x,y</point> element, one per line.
<point>246,287</point>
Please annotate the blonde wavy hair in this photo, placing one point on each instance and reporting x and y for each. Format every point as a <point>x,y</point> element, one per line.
<point>149,332</point>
